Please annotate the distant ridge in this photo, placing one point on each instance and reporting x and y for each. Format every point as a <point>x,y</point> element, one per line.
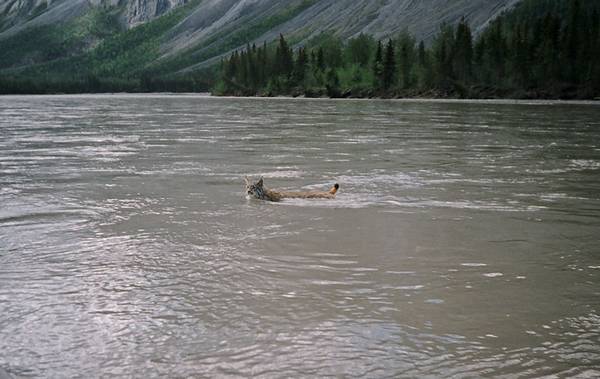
<point>207,29</point>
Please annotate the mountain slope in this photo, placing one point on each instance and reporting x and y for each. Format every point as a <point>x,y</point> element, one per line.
<point>131,38</point>
<point>17,15</point>
<point>345,18</point>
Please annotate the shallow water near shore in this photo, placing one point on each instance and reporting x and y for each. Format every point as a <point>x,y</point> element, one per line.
<point>464,241</point>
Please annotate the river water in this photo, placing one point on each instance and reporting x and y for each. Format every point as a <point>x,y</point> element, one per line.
<point>464,241</point>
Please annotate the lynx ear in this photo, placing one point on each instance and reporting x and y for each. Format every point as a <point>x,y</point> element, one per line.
<point>246,180</point>
<point>260,182</point>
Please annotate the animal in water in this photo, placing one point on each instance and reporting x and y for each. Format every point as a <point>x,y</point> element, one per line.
<point>259,191</point>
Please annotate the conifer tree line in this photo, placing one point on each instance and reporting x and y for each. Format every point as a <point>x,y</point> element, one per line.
<point>541,49</point>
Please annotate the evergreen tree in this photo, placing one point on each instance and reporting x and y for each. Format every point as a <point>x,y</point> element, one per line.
<point>300,66</point>
<point>317,68</point>
<point>406,58</point>
<point>332,51</point>
<point>264,65</point>
<point>462,55</point>
<point>378,67</point>
<point>359,50</point>
<point>547,69</point>
<point>229,76</point>
<point>243,69</point>
<point>333,83</point>
<point>389,66</point>
<point>496,49</point>
<point>424,70</point>
<point>422,54</point>
<point>443,54</point>
<point>253,71</point>
<point>571,41</point>
<point>284,61</point>
<point>590,54</point>
<point>595,65</point>
<point>232,68</point>
<point>320,59</point>
<point>520,57</point>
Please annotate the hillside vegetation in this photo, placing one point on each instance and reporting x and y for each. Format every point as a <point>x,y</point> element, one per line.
<point>92,55</point>
<point>541,49</point>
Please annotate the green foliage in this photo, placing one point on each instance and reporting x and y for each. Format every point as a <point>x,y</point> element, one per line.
<point>406,56</point>
<point>359,50</point>
<point>543,48</point>
<point>231,38</point>
<point>332,85</point>
<point>462,57</point>
<point>92,46</point>
<point>331,47</point>
<point>389,66</point>
<point>378,67</point>
<point>283,64</point>
<point>46,43</point>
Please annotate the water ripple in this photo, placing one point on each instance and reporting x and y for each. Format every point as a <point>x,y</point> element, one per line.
<point>462,243</point>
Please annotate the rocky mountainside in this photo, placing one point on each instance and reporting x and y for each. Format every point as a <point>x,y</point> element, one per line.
<point>345,18</point>
<point>17,14</point>
<point>139,11</point>
<point>181,36</point>
<point>349,17</point>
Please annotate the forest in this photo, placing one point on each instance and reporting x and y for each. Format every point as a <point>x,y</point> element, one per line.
<point>541,49</point>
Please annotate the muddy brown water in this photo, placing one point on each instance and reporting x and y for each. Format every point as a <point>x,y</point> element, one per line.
<point>464,241</point>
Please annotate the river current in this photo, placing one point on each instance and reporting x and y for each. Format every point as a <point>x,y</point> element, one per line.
<point>464,240</point>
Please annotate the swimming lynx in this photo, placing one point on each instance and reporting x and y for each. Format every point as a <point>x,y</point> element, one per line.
<point>258,191</point>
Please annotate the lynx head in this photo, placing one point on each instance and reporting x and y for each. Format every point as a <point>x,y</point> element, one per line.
<point>256,190</point>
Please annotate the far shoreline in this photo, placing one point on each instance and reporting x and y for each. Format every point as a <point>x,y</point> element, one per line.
<point>208,95</point>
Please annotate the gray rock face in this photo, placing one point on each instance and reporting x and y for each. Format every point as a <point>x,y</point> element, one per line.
<point>16,15</point>
<point>140,11</point>
<point>206,25</point>
<point>24,13</point>
<point>380,18</point>
<point>22,7</point>
<point>345,18</point>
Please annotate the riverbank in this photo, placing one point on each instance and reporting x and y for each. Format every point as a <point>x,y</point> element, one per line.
<point>476,92</point>
<point>265,97</point>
